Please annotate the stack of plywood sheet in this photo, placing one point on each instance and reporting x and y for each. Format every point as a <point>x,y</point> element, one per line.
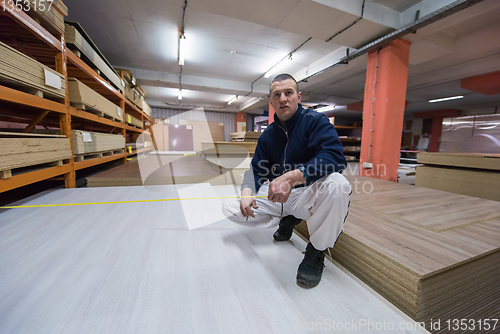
<point>461,173</point>
<point>78,39</point>
<point>50,14</point>
<point>133,121</point>
<point>133,91</point>
<point>146,108</point>
<point>21,150</point>
<point>204,132</point>
<point>22,71</point>
<point>245,136</point>
<point>432,254</point>
<point>160,170</point>
<point>93,142</point>
<point>229,148</point>
<point>85,98</point>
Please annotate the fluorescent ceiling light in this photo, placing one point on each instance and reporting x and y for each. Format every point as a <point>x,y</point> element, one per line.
<point>250,103</point>
<point>447,98</point>
<point>324,109</point>
<point>283,63</point>
<point>179,94</point>
<point>232,100</point>
<point>182,49</point>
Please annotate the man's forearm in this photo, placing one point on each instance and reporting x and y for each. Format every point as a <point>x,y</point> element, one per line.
<point>295,177</point>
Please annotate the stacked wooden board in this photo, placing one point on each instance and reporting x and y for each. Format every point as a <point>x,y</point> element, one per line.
<point>85,98</point>
<point>160,170</point>
<point>50,14</point>
<point>432,254</point>
<point>133,91</point>
<point>93,142</point>
<point>469,174</point>
<point>229,148</point>
<point>76,38</point>
<point>245,136</point>
<point>21,150</point>
<point>19,70</point>
<point>146,108</point>
<point>133,121</point>
<point>204,132</point>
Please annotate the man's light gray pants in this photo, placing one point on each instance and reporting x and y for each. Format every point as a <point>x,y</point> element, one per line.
<point>324,205</point>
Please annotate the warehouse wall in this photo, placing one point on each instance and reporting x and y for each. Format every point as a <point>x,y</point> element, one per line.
<point>229,119</point>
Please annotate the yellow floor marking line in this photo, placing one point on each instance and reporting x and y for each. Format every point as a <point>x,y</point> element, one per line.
<point>123,202</point>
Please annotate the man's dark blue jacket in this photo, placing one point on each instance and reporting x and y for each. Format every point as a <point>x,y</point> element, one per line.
<point>307,139</point>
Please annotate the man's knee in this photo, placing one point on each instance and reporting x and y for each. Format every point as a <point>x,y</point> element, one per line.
<point>337,186</point>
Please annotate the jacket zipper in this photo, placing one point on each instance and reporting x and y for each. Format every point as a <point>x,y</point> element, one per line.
<point>284,159</point>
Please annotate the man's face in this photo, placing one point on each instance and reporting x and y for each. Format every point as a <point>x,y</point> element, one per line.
<point>284,98</point>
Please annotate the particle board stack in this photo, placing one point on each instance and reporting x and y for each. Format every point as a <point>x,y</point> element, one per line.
<point>461,173</point>
<point>133,91</point>
<point>21,150</point>
<point>22,71</point>
<point>94,142</point>
<point>77,38</point>
<point>85,98</point>
<point>432,254</point>
<point>133,121</point>
<point>160,170</point>
<point>245,136</point>
<point>229,148</point>
<point>146,108</point>
<point>204,132</point>
<point>50,14</point>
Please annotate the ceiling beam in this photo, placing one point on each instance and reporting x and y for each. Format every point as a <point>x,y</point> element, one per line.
<point>487,84</point>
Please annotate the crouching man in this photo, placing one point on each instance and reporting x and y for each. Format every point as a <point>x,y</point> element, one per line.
<point>297,166</point>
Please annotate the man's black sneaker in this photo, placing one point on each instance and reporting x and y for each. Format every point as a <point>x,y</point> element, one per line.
<point>311,268</point>
<point>285,229</point>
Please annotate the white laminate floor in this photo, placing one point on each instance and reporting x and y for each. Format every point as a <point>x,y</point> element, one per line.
<point>139,268</point>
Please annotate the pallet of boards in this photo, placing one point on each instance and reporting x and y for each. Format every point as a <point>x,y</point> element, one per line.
<point>432,254</point>
<point>133,95</point>
<point>19,150</point>
<point>95,142</point>
<point>77,39</point>
<point>468,174</point>
<point>245,136</point>
<point>229,148</point>
<point>84,98</point>
<point>22,72</point>
<point>50,14</point>
<point>146,108</point>
<point>133,121</point>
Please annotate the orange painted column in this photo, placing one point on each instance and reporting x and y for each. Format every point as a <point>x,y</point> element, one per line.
<point>383,110</point>
<point>271,114</point>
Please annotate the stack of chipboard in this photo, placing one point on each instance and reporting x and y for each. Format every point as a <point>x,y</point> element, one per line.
<point>229,148</point>
<point>133,91</point>
<point>472,174</point>
<point>77,38</point>
<point>146,108</point>
<point>245,136</point>
<point>22,150</point>
<point>50,14</point>
<point>432,254</point>
<point>204,132</point>
<point>20,70</point>
<point>95,142</point>
<point>85,98</point>
<point>133,121</point>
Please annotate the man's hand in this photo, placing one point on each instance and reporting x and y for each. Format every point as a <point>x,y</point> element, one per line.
<point>281,187</point>
<point>246,201</point>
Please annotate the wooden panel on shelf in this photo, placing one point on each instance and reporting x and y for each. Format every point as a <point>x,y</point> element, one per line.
<point>94,118</point>
<point>83,72</point>
<point>133,110</point>
<point>27,22</point>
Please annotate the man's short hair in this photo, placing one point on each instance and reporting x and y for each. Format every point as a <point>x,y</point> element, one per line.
<point>282,77</point>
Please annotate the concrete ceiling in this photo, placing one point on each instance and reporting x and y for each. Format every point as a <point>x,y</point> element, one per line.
<point>232,43</point>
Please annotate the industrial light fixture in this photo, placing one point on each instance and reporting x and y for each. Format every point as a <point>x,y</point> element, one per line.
<point>232,100</point>
<point>250,103</point>
<point>182,49</point>
<point>325,109</point>
<point>179,94</point>
<point>282,63</point>
<point>447,98</point>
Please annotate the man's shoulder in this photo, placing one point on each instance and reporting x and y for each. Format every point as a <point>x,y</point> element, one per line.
<point>310,113</point>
